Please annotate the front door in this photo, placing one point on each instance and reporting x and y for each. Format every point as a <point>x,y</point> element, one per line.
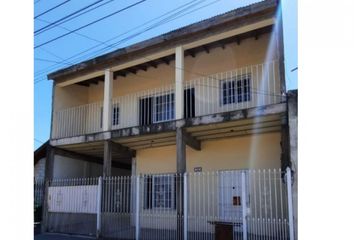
<point>230,197</point>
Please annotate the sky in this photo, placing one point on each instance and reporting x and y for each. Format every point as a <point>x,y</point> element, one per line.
<point>111,33</point>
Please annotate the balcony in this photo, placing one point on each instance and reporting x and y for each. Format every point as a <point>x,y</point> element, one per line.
<point>241,88</point>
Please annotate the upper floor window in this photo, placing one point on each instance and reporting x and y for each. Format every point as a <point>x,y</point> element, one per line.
<point>156,109</point>
<point>164,107</point>
<point>115,114</point>
<point>235,90</point>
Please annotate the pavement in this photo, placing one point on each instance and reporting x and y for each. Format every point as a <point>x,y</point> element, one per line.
<point>55,236</point>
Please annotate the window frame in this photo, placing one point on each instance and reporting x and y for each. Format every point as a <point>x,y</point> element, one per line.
<point>171,183</point>
<point>154,97</point>
<point>149,196</point>
<point>172,114</point>
<point>114,107</point>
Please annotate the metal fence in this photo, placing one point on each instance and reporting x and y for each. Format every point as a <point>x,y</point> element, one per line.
<point>241,88</point>
<point>38,198</point>
<point>250,204</point>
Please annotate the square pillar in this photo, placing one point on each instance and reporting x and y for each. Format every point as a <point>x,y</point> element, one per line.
<point>179,79</point>
<point>181,169</point>
<point>107,100</point>
<point>107,159</point>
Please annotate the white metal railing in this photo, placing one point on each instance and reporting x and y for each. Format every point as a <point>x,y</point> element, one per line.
<point>78,120</point>
<point>241,88</point>
<point>256,203</point>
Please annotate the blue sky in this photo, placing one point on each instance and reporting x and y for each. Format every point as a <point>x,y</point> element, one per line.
<point>94,35</point>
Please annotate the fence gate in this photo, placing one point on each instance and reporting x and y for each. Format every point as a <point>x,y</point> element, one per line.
<point>117,211</point>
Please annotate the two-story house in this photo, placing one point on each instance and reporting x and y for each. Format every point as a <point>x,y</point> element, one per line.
<point>208,97</point>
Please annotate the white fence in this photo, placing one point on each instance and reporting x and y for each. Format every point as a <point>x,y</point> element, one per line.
<point>252,204</point>
<point>241,88</point>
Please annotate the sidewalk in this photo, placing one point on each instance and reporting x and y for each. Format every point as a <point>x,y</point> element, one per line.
<point>53,236</point>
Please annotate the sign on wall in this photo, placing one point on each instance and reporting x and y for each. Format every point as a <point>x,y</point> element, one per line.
<point>73,199</point>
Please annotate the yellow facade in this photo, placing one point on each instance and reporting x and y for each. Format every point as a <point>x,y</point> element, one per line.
<point>247,152</point>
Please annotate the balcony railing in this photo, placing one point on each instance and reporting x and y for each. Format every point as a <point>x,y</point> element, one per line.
<point>242,88</point>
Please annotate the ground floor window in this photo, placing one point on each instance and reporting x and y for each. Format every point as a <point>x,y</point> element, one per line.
<point>159,192</point>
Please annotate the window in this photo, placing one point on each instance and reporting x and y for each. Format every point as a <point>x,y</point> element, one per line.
<point>236,90</point>
<point>115,114</point>
<point>189,103</point>
<point>164,107</point>
<point>159,192</point>
<point>156,109</point>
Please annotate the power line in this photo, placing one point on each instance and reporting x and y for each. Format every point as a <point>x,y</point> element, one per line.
<point>69,30</point>
<point>51,9</point>
<point>53,54</point>
<point>47,60</point>
<point>65,17</point>
<point>91,23</point>
<point>130,30</point>
<point>166,20</point>
<point>54,24</point>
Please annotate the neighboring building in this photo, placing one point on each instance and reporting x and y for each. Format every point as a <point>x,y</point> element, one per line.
<point>207,97</point>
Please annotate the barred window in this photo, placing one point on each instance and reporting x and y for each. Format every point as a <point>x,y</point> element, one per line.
<point>235,90</point>
<point>159,192</point>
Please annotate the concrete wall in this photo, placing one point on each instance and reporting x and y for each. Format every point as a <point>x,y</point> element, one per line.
<point>292,116</point>
<point>65,167</point>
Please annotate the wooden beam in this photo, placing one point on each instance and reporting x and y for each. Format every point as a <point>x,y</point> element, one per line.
<point>190,53</point>
<point>206,49</point>
<point>85,84</point>
<point>165,60</point>
<point>131,70</point>
<point>191,141</point>
<point>143,67</point>
<point>153,64</point>
<point>88,158</point>
<point>119,73</point>
<point>238,40</point>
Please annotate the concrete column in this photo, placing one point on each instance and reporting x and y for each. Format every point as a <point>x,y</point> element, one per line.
<point>292,116</point>
<point>107,158</point>
<point>48,175</point>
<point>107,100</point>
<point>181,168</point>
<point>133,166</point>
<point>179,78</point>
<point>181,151</point>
